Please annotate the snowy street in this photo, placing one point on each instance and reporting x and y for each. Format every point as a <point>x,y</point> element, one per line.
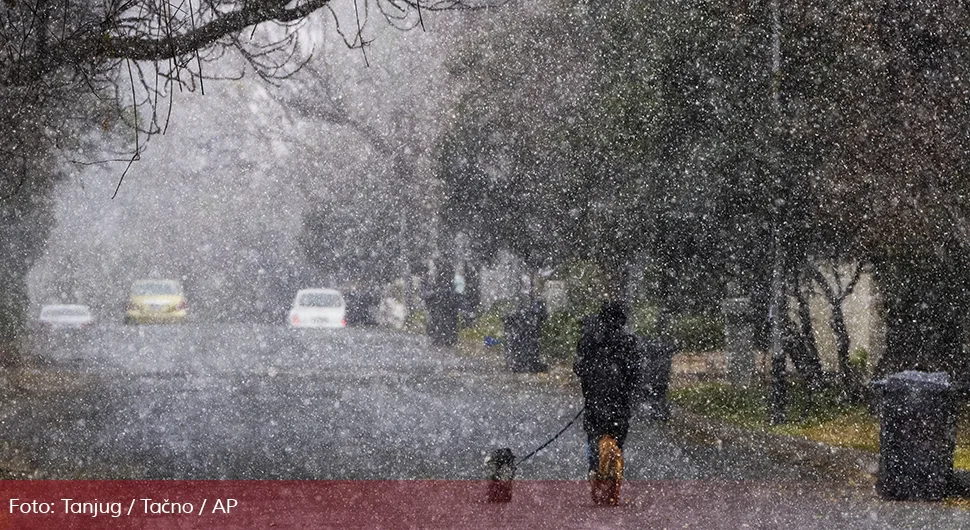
<point>228,401</point>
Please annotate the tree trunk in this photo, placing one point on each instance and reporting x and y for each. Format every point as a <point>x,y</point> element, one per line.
<point>778,396</point>
<point>25,221</point>
<point>804,354</point>
<point>473,289</point>
<point>850,377</point>
<point>13,311</point>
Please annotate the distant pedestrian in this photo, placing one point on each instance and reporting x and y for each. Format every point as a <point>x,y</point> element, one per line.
<point>608,367</point>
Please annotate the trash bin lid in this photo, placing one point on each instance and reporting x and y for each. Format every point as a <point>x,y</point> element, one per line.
<point>916,378</point>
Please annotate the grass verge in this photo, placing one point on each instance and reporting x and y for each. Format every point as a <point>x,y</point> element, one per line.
<point>821,417</point>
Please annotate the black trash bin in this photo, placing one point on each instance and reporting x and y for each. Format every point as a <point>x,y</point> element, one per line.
<point>443,317</point>
<point>917,435</point>
<point>522,331</point>
<point>656,356</point>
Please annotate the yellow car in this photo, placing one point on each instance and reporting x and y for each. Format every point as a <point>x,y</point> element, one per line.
<point>156,302</point>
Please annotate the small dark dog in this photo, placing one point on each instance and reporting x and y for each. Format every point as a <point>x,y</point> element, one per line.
<point>500,470</point>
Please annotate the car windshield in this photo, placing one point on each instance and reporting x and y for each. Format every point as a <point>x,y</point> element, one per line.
<point>155,288</point>
<point>64,312</point>
<point>320,300</point>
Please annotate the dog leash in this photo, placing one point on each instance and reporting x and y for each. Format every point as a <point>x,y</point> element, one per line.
<point>558,434</point>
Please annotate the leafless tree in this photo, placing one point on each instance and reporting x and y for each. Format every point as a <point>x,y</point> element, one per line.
<point>134,53</point>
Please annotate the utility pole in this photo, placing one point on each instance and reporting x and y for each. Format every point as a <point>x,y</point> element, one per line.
<point>777,309</point>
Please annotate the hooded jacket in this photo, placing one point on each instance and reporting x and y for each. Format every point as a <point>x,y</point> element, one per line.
<point>608,368</point>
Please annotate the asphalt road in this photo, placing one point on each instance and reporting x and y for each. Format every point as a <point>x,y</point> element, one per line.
<point>245,402</point>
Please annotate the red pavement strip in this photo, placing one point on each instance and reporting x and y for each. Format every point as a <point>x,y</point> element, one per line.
<point>378,504</point>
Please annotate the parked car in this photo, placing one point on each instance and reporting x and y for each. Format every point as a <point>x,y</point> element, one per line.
<point>156,301</point>
<point>318,308</point>
<point>65,316</point>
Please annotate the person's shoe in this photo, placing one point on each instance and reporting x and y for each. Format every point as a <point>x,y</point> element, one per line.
<point>598,488</point>
<point>609,473</point>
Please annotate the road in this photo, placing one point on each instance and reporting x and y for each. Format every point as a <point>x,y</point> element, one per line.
<point>243,402</point>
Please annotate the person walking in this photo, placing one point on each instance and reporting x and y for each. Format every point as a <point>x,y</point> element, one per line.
<point>608,367</point>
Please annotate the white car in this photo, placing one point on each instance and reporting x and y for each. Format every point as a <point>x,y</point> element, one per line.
<point>318,308</point>
<point>65,316</point>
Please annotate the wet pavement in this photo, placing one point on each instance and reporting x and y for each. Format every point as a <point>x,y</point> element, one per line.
<point>243,402</point>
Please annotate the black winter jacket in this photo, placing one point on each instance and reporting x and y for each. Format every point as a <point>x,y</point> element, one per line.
<point>608,366</point>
